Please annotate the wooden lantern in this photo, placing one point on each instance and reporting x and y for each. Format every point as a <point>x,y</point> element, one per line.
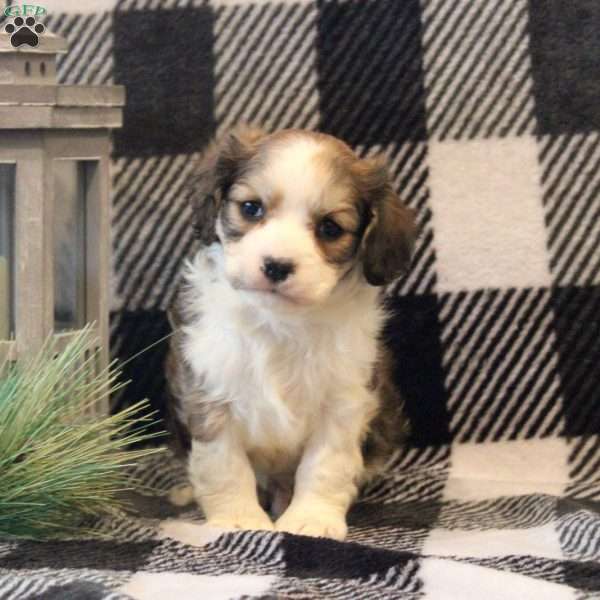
<point>54,201</point>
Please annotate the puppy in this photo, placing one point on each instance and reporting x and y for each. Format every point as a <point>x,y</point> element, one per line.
<point>275,370</point>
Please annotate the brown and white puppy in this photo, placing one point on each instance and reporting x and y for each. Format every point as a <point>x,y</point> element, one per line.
<point>275,369</point>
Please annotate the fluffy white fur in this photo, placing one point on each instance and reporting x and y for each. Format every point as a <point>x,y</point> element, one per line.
<point>296,382</point>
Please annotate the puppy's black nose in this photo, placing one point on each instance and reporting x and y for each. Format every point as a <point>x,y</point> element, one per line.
<point>277,270</point>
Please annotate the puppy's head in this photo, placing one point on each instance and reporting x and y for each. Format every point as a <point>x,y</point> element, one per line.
<point>297,211</point>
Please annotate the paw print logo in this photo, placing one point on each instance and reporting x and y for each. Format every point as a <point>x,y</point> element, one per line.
<point>24,31</point>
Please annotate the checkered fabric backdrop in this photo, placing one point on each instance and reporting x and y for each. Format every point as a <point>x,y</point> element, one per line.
<point>489,114</point>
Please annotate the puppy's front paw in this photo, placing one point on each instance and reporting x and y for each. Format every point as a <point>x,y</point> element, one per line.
<point>313,522</point>
<point>241,519</point>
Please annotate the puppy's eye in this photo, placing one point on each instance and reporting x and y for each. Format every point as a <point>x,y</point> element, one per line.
<point>253,210</point>
<point>328,229</point>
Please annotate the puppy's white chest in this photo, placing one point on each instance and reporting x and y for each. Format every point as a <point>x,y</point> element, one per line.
<point>285,386</point>
<point>276,387</point>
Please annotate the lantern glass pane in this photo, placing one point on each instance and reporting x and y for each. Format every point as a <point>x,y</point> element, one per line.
<point>7,250</point>
<point>70,209</point>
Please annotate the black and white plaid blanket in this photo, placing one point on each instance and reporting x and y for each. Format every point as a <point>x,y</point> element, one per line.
<point>499,520</point>
<point>489,113</point>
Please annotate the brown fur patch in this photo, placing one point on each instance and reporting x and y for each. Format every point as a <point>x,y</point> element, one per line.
<point>353,220</point>
<point>190,415</point>
<point>342,203</point>
<point>341,251</point>
<point>390,427</point>
<point>220,165</point>
<point>389,238</point>
<point>234,224</point>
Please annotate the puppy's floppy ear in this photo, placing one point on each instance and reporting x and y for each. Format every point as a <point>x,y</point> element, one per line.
<point>389,238</point>
<point>216,171</point>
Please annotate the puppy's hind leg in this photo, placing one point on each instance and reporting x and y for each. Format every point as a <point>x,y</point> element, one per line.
<point>181,495</point>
